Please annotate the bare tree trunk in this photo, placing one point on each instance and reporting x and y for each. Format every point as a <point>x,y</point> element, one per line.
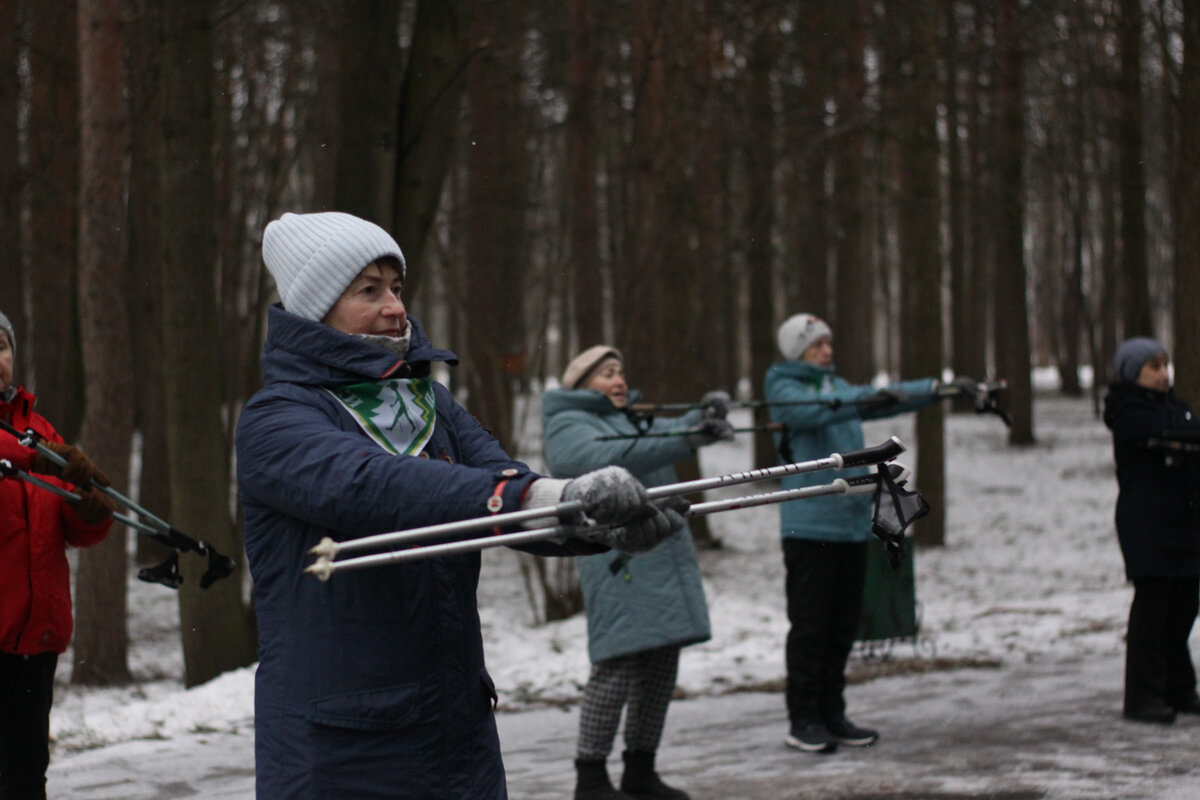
<point>496,200</point>
<point>919,218</point>
<point>428,117</point>
<point>12,275</point>
<point>759,222</point>
<point>855,279</point>
<point>218,634</point>
<point>145,297</point>
<point>1012,347</point>
<point>101,640</point>
<point>1135,271</point>
<point>53,212</point>
<point>1187,211</point>
<point>587,287</point>
<point>369,84</point>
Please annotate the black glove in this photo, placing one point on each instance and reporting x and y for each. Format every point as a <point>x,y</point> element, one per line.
<point>716,404</point>
<point>644,533</point>
<point>707,431</point>
<point>968,386</point>
<point>888,396</point>
<point>78,470</point>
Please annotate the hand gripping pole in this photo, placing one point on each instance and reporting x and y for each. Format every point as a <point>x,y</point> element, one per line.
<point>327,550</point>
<point>219,566</point>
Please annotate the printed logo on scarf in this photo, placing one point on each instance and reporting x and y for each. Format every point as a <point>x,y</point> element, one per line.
<point>397,414</point>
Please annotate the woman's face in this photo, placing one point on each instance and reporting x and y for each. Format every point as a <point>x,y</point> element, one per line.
<point>819,353</point>
<point>371,303</point>
<point>6,362</point>
<point>609,380</point>
<point>1154,374</point>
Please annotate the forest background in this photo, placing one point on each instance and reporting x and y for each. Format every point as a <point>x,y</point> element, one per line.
<point>971,186</point>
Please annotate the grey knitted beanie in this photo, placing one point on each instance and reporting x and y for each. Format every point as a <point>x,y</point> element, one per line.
<point>1132,355</point>
<point>7,327</point>
<point>314,257</point>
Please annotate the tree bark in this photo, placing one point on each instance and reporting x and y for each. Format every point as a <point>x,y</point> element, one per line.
<point>369,84</point>
<point>919,230</point>
<point>218,634</point>
<point>1012,334</point>
<point>431,95</point>
<point>1135,270</point>
<point>101,641</point>
<point>54,212</point>
<point>12,274</point>
<point>1187,211</point>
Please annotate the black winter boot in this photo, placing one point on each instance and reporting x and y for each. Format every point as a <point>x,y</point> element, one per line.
<point>642,782</point>
<point>592,782</point>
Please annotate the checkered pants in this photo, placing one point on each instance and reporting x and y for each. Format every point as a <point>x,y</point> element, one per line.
<point>644,682</point>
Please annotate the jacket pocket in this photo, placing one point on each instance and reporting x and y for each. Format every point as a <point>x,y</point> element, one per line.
<point>390,708</point>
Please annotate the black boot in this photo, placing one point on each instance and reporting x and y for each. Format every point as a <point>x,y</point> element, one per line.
<point>592,782</point>
<point>642,782</point>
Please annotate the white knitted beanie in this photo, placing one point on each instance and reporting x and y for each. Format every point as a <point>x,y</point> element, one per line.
<point>314,257</point>
<point>797,333</point>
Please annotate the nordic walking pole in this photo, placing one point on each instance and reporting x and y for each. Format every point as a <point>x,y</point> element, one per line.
<point>329,549</point>
<point>219,566</point>
<point>8,470</point>
<point>323,568</point>
<point>769,427</point>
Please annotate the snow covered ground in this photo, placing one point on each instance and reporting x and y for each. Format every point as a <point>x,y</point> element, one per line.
<point>1030,574</point>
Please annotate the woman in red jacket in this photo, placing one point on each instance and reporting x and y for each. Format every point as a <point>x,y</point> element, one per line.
<point>36,526</point>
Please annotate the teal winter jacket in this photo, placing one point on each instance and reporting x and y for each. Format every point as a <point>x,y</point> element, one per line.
<point>653,599</point>
<point>817,430</point>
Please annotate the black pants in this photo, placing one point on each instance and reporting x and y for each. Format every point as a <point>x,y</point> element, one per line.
<point>824,601</point>
<point>1158,664</point>
<point>26,691</point>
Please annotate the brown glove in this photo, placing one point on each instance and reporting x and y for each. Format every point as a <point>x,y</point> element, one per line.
<point>94,506</point>
<point>78,470</point>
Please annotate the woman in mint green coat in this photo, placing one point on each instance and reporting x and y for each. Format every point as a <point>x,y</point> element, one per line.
<point>643,609</point>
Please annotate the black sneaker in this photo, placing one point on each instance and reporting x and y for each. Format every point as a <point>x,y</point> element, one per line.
<point>847,732</point>
<point>811,736</point>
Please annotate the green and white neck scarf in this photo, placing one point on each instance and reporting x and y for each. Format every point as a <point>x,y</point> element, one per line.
<point>398,414</point>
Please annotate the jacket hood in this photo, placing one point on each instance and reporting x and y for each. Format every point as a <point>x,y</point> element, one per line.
<point>306,352</point>
<point>590,400</point>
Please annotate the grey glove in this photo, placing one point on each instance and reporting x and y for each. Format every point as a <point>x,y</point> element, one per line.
<point>610,495</point>
<point>613,496</point>
<point>707,431</point>
<point>716,404</point>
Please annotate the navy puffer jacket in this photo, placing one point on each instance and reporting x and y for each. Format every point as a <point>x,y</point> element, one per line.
<point>370,685</point>
<point>1158,503</point>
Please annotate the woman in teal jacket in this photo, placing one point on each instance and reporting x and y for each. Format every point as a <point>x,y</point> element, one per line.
<point>641,610</point>
<point>825,538</point>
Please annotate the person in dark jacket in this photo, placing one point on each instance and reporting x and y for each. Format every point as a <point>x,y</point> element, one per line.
<point>373,684</point>
<point>825,539</point>
<point>642,610</point>
<point>1156,445</point>
<point>36,528</point>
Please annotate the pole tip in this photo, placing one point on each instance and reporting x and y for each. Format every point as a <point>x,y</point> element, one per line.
<point>326,548</point>
<point>322,568</point>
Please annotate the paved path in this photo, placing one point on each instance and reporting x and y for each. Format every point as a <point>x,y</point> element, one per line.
<point>1049,731</point>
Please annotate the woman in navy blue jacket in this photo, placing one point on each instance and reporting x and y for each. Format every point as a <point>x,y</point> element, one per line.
<point>1155,439</point>
<point>373,685</point>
